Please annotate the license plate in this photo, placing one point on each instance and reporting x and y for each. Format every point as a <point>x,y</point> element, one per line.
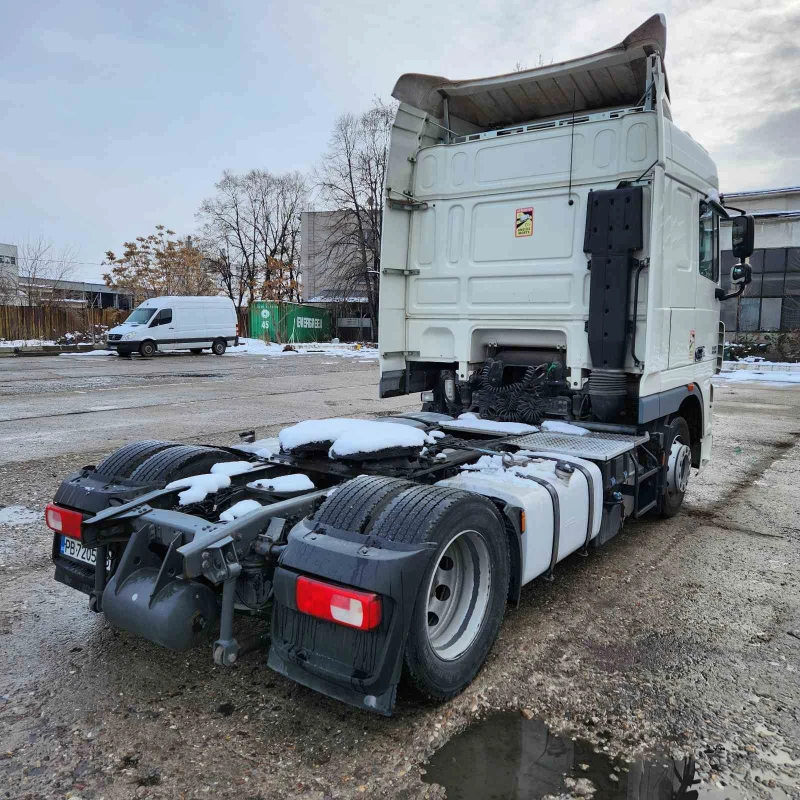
<point>75,550</point>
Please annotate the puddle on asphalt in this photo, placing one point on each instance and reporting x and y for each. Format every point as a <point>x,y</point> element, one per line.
<point>507,756</point>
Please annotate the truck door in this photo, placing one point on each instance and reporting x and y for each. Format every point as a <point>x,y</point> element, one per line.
<point>680,261</point>
<point>707,312</point>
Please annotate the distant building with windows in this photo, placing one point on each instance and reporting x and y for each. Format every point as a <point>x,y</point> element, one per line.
<point>772,301</point>
<point>325,281</point>
<point>19,290</point>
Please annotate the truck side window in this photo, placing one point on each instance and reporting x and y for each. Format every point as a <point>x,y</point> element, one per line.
<point>164,317</point>
<point>709,243</point>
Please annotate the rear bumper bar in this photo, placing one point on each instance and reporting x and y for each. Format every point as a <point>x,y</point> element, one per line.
<point>361,668</point>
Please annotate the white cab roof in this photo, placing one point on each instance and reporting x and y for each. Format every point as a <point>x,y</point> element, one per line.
<point>611,78</point>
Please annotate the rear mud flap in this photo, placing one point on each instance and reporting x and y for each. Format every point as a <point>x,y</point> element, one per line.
<point>361,668</point>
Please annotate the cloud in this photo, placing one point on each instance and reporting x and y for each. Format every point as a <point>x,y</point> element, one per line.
<point>123,115</point>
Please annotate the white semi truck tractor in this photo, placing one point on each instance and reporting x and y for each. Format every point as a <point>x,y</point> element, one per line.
<point>550,285</point>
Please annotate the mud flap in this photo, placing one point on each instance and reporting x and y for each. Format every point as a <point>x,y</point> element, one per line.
<point>361,668</point>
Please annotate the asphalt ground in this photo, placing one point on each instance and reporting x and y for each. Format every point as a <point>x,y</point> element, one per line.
<point>680,635</point>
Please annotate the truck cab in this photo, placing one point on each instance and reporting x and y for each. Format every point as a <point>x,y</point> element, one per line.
<point>555,216</point>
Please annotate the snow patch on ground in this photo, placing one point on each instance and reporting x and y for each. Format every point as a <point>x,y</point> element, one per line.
<point>350,436</point>
<point>198,487</point>
<point>19,515</point>
<point>258,348</point>
<point>472,422</point>
<point>90,353</point>
<point>239,510</point>
<point>232,467</point>
<point>758,376</point>
<point>554,426</point>
<point>27,343</point>
<point>284,483</point>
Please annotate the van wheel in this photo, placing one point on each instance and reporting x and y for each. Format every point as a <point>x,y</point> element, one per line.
<point>219,347</point>
<point>196,350</point>
<point>677,449</point>
<point>462,596</point>
<point>147,349</point>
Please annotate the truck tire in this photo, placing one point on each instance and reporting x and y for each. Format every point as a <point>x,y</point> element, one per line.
<point>218,347</point>
<point>357,502</point>
<point>124,461</point>
<point>179,462</point>
<point>462,596</point>
<point>677,442</point>
<point>147,349</point>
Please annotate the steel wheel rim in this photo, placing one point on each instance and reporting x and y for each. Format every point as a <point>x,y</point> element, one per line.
<point>678,468</point>
<point>458,595</point>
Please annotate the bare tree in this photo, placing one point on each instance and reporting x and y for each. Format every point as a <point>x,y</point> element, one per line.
<point>350,180</point>
<point>43,271</point>
<point>250,234</point>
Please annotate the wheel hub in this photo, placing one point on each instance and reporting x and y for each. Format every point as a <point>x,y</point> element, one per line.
<point>458,595</point>
<point>679,466</point>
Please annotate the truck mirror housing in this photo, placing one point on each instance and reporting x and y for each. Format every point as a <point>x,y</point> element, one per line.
<point>743,236</point>
<point>741,273</point>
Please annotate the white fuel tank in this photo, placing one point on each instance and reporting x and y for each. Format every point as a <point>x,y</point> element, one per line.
<point>511,483</point>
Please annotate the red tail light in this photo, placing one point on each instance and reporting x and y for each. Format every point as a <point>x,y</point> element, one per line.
<point>347,607</point>
<point>62,520</point>
<point>237,328</point>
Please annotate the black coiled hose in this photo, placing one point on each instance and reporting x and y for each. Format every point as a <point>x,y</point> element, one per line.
<point>517,402</point>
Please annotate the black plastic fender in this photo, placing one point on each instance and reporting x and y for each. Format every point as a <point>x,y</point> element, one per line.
<point>361,668</point>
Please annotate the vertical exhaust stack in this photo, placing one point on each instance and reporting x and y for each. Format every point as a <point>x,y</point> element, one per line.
<point>613,234</point>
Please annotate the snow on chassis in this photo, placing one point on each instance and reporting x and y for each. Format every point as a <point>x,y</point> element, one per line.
<point>550,284</point>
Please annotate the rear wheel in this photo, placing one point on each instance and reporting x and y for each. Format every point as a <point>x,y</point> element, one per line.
<point>677,449</point>
<point>124,461</point>
<point>219,347</point>
<point>461,599</point>
<point>355,504</point>
<point>179,462</point>
<point>147,349</point>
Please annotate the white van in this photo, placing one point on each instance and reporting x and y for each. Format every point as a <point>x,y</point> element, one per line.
<point>177,323</point>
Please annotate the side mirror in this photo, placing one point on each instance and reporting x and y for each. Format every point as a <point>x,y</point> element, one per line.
<point>743,231</point>
<point>741,273</point>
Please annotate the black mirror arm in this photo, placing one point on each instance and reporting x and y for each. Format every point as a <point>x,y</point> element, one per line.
<point>721,294</point>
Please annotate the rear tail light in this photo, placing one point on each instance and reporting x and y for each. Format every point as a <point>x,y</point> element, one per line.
<point>62,520</point>
<point>348,607</point>
<point>237,328</point>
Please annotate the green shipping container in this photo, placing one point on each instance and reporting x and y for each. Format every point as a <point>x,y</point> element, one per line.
<point>289,323</point>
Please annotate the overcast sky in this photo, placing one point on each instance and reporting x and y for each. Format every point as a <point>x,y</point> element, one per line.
<point>119,116</point>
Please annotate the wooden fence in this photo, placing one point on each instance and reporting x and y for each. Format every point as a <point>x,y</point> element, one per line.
<point>54,322</point>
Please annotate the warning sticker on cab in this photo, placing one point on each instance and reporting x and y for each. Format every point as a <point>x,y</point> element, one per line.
<point>524,222</point>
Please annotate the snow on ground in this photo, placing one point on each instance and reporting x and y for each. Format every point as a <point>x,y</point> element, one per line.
<point>258,348</point>
<point>554,426</point>
<point>198,487</point>
<point>762,376</point>
<point>284,483</point>
<point>26,342</point>
<point>91,353</point>
<point>350,436</point>
<point>19,515</point>
<point>472,422</point>
<point>239,510</point>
